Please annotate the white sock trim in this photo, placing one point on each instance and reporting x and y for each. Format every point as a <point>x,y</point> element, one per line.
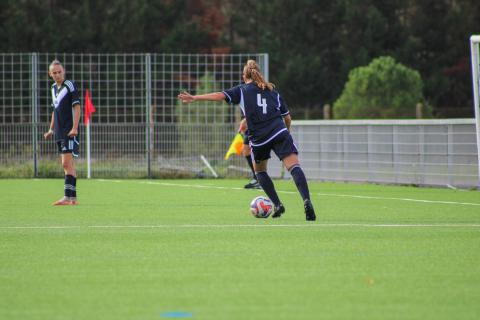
<point>293,167</point>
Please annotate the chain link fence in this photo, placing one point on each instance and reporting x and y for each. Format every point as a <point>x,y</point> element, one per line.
<point>140,129</point>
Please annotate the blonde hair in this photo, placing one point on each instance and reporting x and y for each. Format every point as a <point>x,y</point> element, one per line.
<point>252,71</point>
<point>55,63</point>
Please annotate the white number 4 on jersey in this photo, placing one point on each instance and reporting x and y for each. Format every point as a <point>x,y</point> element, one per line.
<point>262,103</point>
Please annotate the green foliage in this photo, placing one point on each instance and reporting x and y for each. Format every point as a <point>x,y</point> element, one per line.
<point>102,26</point>
<point>202,112</point>
<point>312,49</point>
<point>383,89</point>
<point>20,170</point>
<point>329,39</point>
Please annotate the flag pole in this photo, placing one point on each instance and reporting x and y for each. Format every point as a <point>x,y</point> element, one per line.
<point>89,109</point>
<point>89,173</point>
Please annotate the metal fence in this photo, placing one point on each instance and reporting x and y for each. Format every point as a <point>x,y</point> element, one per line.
<point>140,129</point>
<point>417,152</point>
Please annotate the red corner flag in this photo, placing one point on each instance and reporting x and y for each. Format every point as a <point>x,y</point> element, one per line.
<point>89,108</point>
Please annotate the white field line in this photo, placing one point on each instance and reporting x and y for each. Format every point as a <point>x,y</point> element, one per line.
<point>246,226</point>
<point>400,199</point>
<point>292,192</point>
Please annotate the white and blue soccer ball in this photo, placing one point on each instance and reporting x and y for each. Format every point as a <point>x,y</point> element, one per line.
<point>261,207</point>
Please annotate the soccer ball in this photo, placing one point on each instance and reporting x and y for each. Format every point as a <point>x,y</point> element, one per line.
<point>261,207</point>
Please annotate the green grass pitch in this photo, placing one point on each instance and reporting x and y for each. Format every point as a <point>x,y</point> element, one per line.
<point>158,249</point>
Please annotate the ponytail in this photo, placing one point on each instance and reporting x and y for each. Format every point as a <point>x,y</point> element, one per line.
<point>252,71</point>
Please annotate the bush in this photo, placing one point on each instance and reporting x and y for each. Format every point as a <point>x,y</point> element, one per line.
<point>383,89</point>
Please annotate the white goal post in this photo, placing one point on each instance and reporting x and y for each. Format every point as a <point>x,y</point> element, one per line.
<point>474,46</point>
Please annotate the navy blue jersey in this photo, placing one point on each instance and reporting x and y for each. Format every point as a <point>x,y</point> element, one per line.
<point>263,109</point>
<point>63,99</point>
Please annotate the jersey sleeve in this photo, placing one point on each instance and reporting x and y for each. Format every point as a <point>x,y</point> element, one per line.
<point>283,106</point>
<point>233,95</point>
<point>74,92</point>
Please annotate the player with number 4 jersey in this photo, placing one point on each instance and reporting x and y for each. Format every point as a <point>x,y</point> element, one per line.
<point>268,122</point>
<point>265,120</point>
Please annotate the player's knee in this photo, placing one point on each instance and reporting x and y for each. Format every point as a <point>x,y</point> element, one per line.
<point>69,170</point>
<point>290,161</point>
<point>67,164</point>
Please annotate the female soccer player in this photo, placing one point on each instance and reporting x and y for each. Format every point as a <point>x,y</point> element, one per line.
<point>64,124</point>
<point>268,122</point>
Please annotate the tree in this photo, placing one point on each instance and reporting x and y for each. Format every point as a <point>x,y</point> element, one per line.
<point>101,26</point>
<point>383,89</point>
<point>317,46</point>
<point>312,45</point>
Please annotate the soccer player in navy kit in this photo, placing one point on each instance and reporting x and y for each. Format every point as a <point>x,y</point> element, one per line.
<point>64,127</point>
<point>268,123</point>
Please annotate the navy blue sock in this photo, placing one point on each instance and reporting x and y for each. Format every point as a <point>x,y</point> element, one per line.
<point>300,181</point>
<point>69,186</point>
<point>66,192</point>
<point>74,187</point>
<point>267,186</point>
<point>250,164</point>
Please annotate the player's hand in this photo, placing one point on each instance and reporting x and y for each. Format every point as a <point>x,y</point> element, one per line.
<point>186,97</point>
<point>48,134</point>
<point>73,132</point>
<point>243,126</point>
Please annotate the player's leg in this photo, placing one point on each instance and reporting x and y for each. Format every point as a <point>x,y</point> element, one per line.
<point>67,150</point>
<point>293,166</point>
<point>69,197</point>
<point>260,156</point>
<point>70,177</point>
<point>246,152</point>
<point>62,147</point>
<point>287,152</point>
<point>75,147</point>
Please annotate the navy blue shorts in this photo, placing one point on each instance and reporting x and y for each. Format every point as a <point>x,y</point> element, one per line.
<point>282,145</point>
<point>69,145</point>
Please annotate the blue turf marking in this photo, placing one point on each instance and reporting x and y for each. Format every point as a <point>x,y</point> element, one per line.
<point>176,314</point>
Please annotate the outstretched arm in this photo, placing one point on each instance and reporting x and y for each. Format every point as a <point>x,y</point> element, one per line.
<point>188,98</point>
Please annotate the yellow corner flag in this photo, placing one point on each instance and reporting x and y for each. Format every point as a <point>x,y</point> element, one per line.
<point>235,147</point>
